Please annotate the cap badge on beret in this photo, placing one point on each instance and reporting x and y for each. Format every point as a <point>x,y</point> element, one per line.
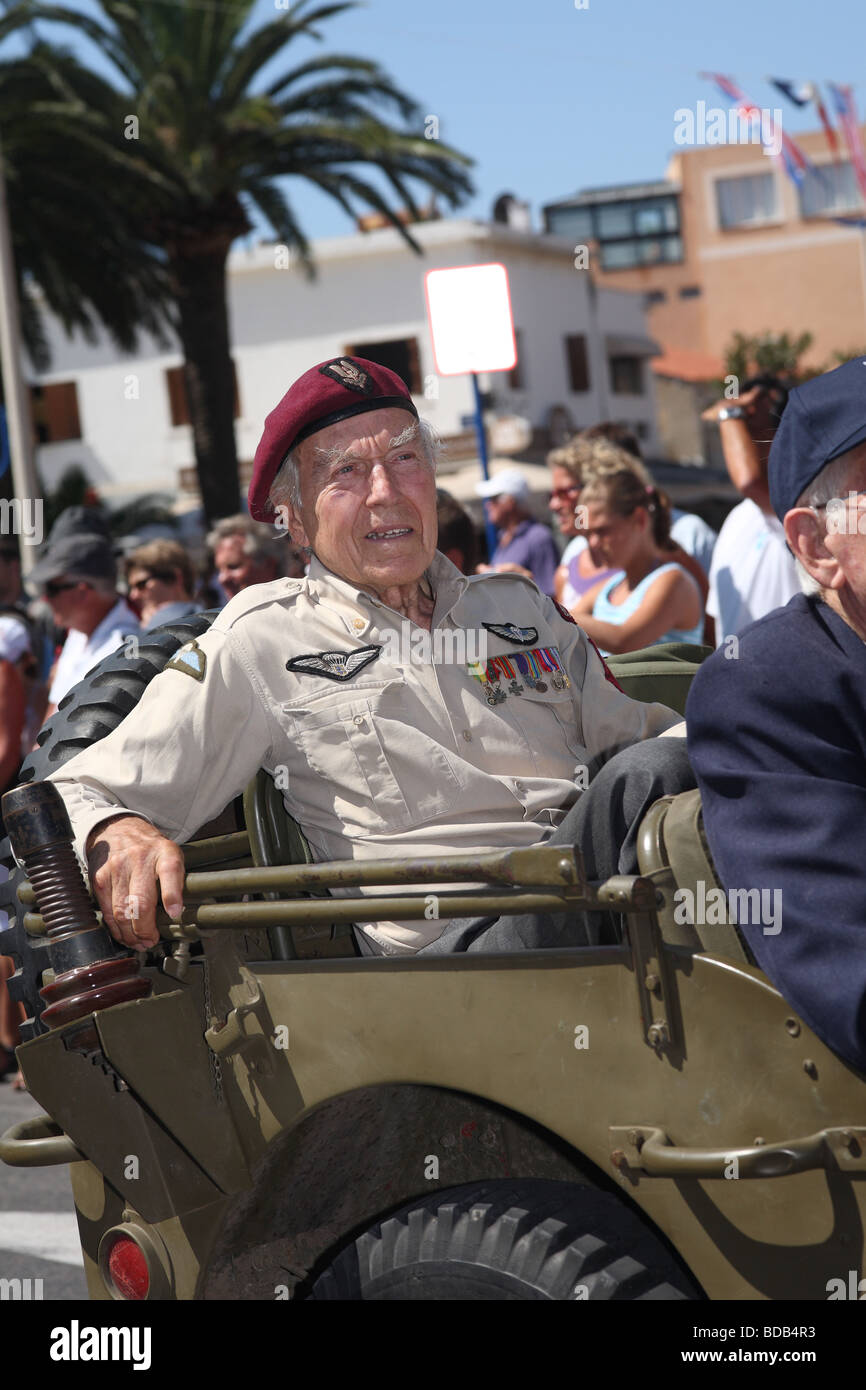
<point>349,375</point>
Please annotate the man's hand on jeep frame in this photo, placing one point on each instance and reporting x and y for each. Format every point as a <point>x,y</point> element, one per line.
<point>126,857</point>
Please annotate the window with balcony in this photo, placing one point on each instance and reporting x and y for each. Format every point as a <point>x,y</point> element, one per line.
<point>746,201</point>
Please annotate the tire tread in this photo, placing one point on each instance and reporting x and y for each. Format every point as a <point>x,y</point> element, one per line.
<point>549,1237</point>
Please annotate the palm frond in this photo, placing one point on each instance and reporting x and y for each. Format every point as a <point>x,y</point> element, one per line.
<point>276,209</point>
<point>132,234</point>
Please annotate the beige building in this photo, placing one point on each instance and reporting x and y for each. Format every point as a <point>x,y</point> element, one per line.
<point>727,243</point>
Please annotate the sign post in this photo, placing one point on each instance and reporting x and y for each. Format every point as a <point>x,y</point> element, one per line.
<point>469,309</point>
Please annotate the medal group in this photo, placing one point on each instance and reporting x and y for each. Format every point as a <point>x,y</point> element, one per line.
<point>532,666</point>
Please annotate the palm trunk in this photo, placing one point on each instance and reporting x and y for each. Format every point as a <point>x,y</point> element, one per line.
<point>200,285</point>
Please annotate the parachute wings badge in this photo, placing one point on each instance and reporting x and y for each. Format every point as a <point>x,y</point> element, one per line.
<point>337,666</point>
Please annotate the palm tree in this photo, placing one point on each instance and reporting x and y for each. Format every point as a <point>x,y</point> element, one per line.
<point>212,140</point>
<point>70,225</point>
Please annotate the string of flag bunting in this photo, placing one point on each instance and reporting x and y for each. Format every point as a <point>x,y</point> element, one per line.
<point>794,159</point>
<point>805,94</point>
<point>846,111</point>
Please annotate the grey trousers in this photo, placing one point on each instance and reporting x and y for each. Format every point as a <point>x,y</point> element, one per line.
<point>603,824</point>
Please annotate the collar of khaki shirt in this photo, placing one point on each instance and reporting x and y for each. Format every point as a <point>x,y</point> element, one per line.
<point>344,598</point>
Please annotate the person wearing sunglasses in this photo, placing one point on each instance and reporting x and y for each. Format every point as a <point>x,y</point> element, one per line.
<point>159,581</point>
<point>577,571</point>
<point>77,577</point>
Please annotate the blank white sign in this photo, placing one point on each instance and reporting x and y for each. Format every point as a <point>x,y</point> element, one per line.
<point>469,308</point>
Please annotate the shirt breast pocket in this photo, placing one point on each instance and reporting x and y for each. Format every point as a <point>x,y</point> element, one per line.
<point>368,764</point>
<point>551,729</point>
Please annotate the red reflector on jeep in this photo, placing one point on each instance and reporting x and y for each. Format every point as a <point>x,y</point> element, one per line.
<point>128,1269</point>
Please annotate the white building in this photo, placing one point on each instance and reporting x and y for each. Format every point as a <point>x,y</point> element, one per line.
<point>582,354</point>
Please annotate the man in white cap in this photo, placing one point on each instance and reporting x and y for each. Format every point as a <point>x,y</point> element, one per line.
<point>524,545</point>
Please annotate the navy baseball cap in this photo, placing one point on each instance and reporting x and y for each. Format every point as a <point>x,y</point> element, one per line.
<point>825,417</point>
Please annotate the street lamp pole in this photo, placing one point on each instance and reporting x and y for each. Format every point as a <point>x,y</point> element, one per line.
<point>18,422</point>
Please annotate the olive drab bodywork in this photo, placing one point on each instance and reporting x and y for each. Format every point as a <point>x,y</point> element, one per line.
<point>273,1095</point>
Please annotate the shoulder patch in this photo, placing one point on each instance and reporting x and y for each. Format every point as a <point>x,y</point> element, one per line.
<point>563,612</point>
<point>190,660</point>
<point>335,666</point>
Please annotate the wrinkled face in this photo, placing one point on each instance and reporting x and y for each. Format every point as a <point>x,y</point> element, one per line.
<point>235,569</point>
<point>845,530</point>
<point>612,539</point>
<point>68,599</point>
<point>564,497</point>
<point>368,500</point>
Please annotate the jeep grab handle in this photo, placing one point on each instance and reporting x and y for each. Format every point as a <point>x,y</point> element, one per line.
<point>648,1150</point>
<point>37,1143</point>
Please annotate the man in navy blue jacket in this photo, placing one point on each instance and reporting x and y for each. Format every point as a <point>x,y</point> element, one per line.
<point>777,725</point>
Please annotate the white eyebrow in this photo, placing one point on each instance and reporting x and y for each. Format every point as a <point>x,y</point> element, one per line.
<point>411,431</point>
<point>330,458</point>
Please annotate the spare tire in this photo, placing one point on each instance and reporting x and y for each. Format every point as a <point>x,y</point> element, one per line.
<point>92,709</point>
<point>523,1240</point>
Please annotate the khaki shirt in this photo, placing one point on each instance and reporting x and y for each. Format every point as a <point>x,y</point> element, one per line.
<point>403,755</point>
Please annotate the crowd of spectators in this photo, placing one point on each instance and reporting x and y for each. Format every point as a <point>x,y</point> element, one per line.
<point>87,597</point>
<point>630,560</point>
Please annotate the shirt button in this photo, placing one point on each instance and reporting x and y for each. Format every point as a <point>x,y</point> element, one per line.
<point>467,735</point>
<point>359,719</point>
<point>358,623</point>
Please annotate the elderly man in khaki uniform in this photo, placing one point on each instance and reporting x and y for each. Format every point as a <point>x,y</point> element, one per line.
<point>401,706</point>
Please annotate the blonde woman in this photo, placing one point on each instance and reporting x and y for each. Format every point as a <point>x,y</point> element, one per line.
<point>653,598</point>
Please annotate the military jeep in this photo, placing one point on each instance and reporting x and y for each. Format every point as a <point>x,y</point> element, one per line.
<point>268,1115</point>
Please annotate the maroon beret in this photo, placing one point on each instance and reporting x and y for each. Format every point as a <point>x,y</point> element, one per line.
<point>321,397</point>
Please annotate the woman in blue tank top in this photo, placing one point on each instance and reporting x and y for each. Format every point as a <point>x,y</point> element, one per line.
<point>627,527</point>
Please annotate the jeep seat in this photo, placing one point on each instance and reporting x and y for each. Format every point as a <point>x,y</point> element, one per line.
<point>662,673</point>
<point>275,838</point>
<point>673,852</point>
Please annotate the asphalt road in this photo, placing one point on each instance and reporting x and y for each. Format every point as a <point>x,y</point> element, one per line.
<point>38,1230</point>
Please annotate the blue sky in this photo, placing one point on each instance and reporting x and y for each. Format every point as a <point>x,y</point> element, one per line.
<point>548,98</point>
